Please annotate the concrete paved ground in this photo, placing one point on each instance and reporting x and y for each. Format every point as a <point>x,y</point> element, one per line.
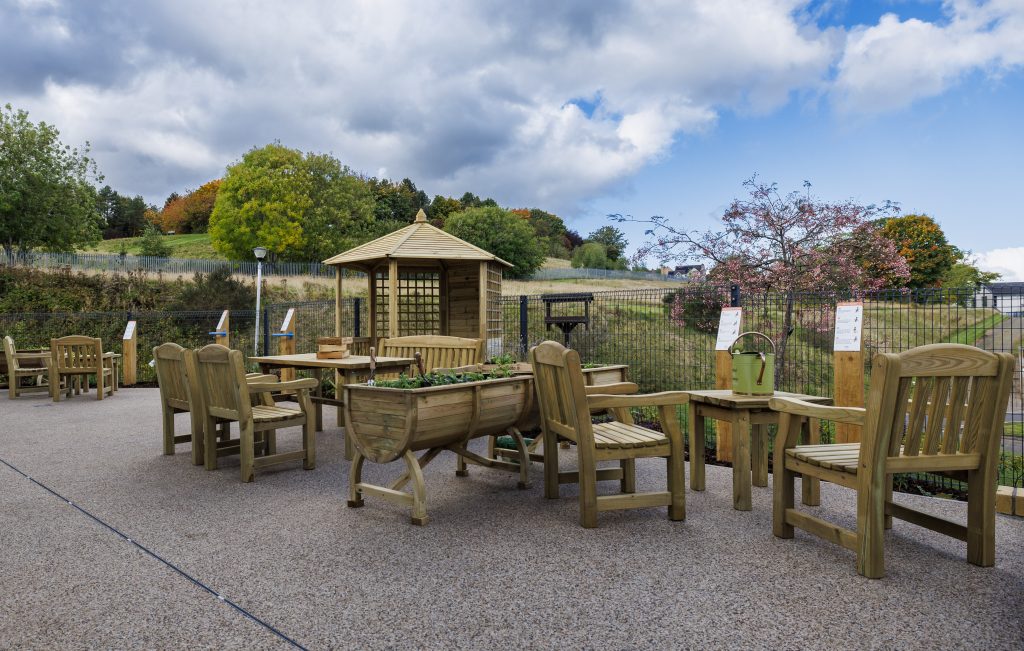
<point>495,568</point>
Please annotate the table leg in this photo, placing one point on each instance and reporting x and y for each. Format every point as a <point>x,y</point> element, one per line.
<point>810,487</point>
<point>339,394</point>
<point>318,374</point>
<point>759,454</point>
<point>696,448</point>
<point>741,461</point>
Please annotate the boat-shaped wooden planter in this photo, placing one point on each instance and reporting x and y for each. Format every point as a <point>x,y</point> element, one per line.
<point>387,424</point>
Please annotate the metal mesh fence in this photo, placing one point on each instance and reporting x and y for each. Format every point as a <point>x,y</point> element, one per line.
<point>666,336</point>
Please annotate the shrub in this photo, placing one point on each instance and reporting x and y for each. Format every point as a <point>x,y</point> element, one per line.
<point>153,244</point>
<point>698,308</point>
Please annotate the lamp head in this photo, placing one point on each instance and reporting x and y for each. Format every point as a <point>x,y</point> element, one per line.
<point>260,252</point>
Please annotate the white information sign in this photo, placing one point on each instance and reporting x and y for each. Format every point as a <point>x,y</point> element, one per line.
<point>849,324</point>
<point>728,327</point>
<point>129,330</point>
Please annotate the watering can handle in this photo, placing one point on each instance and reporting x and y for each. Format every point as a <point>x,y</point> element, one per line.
<point>752,332</point>
<point>764,365</point>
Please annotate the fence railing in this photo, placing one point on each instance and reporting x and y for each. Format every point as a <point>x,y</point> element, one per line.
<point>126,263</point>
<point>666,336</point>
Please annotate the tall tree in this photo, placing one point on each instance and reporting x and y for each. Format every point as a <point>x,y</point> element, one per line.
<point>922,243</point>
<point>342,211</point>
<point>190,213</point>
<point>499,232</point>
<point>613,240</point>
<point>47,197</point>
<point>787,244</point>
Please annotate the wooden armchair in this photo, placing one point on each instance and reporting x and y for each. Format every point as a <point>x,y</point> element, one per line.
<point>77,357</point>
<point>565,410</point>
<point>435,351</point>
<point>936,408</point>
<point>180,392</point>
<point>22,364</point>
<point>228,396</point>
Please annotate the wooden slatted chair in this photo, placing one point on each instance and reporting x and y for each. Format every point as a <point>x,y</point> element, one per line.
<point>936,408</point>
<point>565,410</point>
<point>436,351</point>
<point>77,357</point>
<point>228,397</point>
<point>13,359</point>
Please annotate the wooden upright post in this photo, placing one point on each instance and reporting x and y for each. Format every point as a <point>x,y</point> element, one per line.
<point>728,330</point>
<point>393,298</point>
<point>848,357</point>
<point>220,333</point>
<point>129,354</point>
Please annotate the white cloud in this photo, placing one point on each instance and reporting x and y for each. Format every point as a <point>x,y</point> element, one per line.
<point>893,63</point>
<point>1009,262</point>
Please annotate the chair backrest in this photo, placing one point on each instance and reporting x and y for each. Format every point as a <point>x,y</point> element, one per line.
<point>561,393</point>
<point>172,375</point>
<point>11,358</point>
<point>76,353</point>
<point>939,399</point>
<point>221,379</point>
<point>436,351</point>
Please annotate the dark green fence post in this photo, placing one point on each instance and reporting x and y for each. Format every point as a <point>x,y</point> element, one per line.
<point>524,324</point>
<point>355,314</point>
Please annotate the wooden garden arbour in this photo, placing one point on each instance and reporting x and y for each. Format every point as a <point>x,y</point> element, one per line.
<point>424,281</point>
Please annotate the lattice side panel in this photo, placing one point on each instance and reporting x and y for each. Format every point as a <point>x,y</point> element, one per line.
<point>419,303</point>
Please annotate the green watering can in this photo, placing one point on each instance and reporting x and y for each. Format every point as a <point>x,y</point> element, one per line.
<point>753,372</point>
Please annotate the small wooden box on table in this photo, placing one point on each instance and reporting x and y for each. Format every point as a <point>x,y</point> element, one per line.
<point>745,413</point>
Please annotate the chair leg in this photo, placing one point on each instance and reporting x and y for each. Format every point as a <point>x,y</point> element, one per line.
<point>588,489</point>
<point>888,499</point>
<point>524,457</point>
<point>247,449</point>
<point>355,475</point>
<point>210,443</point>
<point>198,439</point>
<point>981,520</point>
<point>783,493</point>
<point>168,422</point>
<point>100,383</point>
<point>461,470</point>
<point>870,531</point>
<point>628,482</point>
<point>550,465</point>
<point>270,440</point>
<point>308,443</point>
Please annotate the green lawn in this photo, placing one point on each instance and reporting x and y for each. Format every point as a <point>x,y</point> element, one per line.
<point>976,331</point>
<point>192,245</point>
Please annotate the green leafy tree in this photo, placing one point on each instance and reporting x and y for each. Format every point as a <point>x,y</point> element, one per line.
<point>613,240</point>
<point>922,243</point>
<point>122,216</point>
<point>591,255</point>
<point>397,202</point>
<point>499,232</point>
<point>153,244</point>
<point>440,208</point>
<point>965,274</point>
<point>341,214</point>
<point>47,198</point>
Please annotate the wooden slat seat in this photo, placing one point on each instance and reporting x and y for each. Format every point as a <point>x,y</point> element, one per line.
<point>267,414</point>
<point>620,436</point>
<point>435,351</point>
<point>938,408</point>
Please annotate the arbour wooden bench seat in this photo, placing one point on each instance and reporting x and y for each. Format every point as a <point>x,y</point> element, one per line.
<point>435,351</point>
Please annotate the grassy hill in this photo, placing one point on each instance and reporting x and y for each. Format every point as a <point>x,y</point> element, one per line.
<point>192,245</point>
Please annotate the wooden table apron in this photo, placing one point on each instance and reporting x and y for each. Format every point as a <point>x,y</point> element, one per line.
<point>750,453</point>
<point>349,369</point>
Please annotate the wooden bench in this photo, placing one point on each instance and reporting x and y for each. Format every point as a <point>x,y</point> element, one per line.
<point>436,351</point>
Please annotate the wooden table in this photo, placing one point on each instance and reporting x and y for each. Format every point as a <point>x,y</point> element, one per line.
<point>349,370</point>
<point>749,453</point>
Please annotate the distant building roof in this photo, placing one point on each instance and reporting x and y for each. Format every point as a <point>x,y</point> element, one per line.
<point>1002,289</point>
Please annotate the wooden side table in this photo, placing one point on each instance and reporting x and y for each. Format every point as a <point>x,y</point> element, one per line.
<point>749,453</point>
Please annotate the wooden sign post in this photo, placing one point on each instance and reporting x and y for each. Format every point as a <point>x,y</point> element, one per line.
<point>220,334</point>
<point>286,342</point>
<point>129,354</point>
<point>728,331</point>
<point>849,365</point>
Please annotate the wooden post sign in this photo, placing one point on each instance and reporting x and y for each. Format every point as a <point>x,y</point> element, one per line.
<point>220,333</point>
<point>129,354</point>
<point>728,330</point>
<point>848,352</point>
<point>286,342</point>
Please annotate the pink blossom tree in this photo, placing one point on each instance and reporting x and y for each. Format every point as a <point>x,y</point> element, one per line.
<point>787,244</point>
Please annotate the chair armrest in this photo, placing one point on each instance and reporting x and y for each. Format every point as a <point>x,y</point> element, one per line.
<point>851,415</point>
<point>613,389</point>
<point>665,398</point>
<point>292,385</point>
<point>260,377</point>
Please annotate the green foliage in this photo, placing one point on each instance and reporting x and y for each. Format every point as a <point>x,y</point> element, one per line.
<point>437,379</point>
<point>396,201</point>
<point>698,308</point>
<point>31,290</point>
<point>965,274</point>
<point>47,200</point>
<point>217,290</point>
<point>550,231</point>
<point>591,255</point>
<point>122,216</point>
<point>440,208</point>
<point>613,240</point>
<point>153,244</point>
<point>924,246</point>
<point>299,207</point>
<point>499,232</point>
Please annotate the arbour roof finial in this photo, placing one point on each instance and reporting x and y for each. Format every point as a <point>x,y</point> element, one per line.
<point>421,216</point>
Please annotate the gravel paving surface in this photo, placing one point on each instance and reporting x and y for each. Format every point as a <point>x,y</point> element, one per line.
<point>496,567</point>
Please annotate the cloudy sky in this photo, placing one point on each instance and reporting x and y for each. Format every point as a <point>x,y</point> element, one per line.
<point>580,107</point>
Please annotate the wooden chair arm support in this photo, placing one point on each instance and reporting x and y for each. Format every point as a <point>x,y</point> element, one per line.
<point>614,389</point>
<point>665,398</point>
<point>305,384</point>
<point>251,378</point>
<point>851,415</point>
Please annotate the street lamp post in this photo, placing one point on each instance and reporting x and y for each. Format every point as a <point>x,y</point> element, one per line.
<point>260,253</point>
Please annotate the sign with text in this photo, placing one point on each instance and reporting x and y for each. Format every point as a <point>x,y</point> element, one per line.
<point>849,325</point>
<point>129,331</point>
<point>728,327</point>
